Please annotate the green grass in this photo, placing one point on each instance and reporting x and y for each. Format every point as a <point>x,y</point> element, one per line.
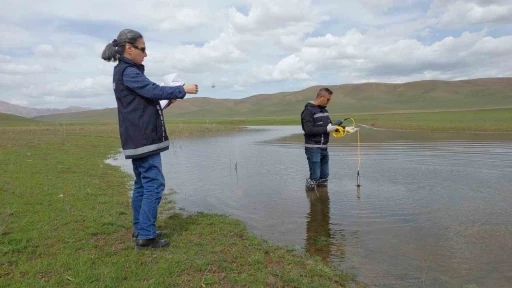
<point>485,120</point>
<point>257,121</point>
<point>65,221</point>
<point>13,120</point>
<point>491,120</point>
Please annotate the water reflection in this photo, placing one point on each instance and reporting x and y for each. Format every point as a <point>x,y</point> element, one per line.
<point>324,238</point>
<point>318,232</point>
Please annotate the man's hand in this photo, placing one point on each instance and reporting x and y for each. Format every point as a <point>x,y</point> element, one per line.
<point>191,88</point>
<point>351,129</point>
<point>331,128</point>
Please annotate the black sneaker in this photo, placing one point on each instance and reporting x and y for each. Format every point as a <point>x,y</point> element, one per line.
<point>134,235</point>
<point>151,243</point>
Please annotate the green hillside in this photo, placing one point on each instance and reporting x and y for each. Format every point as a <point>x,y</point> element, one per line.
<point>431,95</point>
<point>8,119</point>
<point>109,114</point>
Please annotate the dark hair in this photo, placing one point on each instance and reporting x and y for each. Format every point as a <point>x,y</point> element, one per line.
<point>322,90</point>
<point>116,48</point>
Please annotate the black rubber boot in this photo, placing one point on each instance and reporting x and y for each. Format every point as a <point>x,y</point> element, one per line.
<point>310,185</point>
<point>322,182</point>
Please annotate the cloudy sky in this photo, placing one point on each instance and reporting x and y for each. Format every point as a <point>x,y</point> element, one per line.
<point>50,50</point>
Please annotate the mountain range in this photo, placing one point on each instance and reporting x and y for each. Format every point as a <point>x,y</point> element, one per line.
<point>27,112</point>
<point>425,95</point>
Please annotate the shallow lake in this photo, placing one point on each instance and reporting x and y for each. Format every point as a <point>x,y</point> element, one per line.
<point>434,209</point>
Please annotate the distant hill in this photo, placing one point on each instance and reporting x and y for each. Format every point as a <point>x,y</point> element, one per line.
<point>429,95</point>
<point>9,118</point>
<point>13,109</point>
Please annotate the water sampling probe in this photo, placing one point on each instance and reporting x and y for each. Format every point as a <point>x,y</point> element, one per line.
<point>342,130</point>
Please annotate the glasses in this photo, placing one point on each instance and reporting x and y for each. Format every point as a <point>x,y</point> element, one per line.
<point>142,49</point>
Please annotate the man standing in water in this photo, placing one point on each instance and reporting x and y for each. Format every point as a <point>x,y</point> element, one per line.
<point>317,125</point>
<point>142,130</point>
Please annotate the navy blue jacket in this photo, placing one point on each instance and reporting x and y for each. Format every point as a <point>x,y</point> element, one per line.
<point>314,120</point>
<point>141,120</point>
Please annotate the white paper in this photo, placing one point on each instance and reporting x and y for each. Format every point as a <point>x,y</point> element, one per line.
<point>169,81</point>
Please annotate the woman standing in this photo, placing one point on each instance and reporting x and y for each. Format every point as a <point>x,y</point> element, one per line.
<point>142,130</point>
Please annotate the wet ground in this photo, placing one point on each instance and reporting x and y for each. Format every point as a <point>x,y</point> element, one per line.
<point>433,209</point>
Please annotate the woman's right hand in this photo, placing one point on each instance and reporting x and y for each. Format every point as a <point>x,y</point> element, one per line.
<point>191,88</point>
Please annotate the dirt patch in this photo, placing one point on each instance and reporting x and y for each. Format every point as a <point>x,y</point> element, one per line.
<point>116,241</point>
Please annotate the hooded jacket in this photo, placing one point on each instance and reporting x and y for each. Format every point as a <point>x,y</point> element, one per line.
<point>314,120</point>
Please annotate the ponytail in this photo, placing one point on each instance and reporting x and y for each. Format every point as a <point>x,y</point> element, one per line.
<point>110,53</point>
<point>115,49</point>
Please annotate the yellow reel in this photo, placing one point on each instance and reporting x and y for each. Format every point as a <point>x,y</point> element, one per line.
<point>339,132</point>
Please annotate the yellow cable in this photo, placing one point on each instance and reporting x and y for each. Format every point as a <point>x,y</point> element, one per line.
<point>358,145</point>
<point>358,153</point>
<point>340,132</point>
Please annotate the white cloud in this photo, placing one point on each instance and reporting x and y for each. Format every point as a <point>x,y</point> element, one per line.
<point>14,36</point>
<point>12,68</point>
<point>358,56</point>
<point>238,88</point>
<point>75,88</point>
<point>267,15</point>
<point>10,81</point>
<point>458,13</point>
<point>219,53</point>
<point>51,50</point>
<point>44,50</point>
<point>183,19</point>
<point>4,59</point>
<point>380,5</point>
<point>290,67</point>
<point>157,14</point>
<point>8,68</point>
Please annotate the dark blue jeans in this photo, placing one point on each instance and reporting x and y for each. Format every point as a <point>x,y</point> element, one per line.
<point>148,188</point>
<point>318,161</point>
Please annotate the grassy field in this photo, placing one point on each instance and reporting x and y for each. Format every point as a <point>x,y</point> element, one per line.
<point>485,120</point>
<point>13,120</point>
<point>65,221</point>
<point>482,120</point>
